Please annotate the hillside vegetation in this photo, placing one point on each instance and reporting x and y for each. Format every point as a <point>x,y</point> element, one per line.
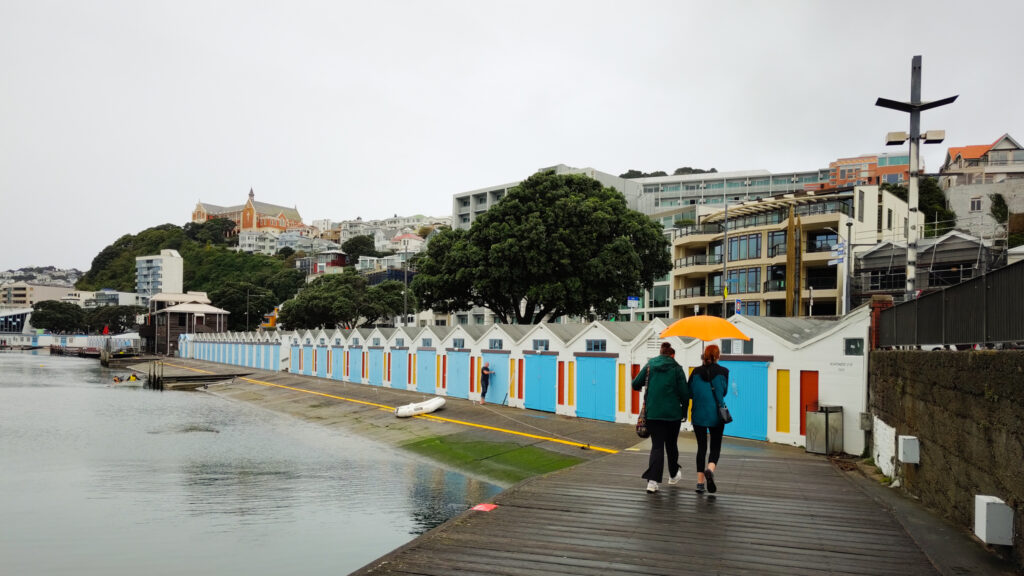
<point>235,281</point>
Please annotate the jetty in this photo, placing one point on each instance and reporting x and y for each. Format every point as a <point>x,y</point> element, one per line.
<point>778,509</point>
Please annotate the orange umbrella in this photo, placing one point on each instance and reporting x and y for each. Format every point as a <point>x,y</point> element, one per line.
<point>704,328</point>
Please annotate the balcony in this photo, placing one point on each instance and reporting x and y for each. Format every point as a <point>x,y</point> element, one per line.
<point>692,292</point>
<point>698,260</point>
<point>696,229</point>
<point>775,286</point>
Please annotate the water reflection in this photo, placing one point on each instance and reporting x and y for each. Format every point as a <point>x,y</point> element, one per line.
<point>230,487</point>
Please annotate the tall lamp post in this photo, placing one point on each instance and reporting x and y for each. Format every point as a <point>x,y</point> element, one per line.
<point>405,291</point>
<point>914,108</point>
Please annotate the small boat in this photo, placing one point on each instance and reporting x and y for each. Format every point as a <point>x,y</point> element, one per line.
<point>425,407</point>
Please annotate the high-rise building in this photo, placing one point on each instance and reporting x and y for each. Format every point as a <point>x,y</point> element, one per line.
<point>156,274</point>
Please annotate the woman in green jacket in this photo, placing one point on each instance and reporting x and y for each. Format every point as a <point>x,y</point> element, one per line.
<point>667,397</point>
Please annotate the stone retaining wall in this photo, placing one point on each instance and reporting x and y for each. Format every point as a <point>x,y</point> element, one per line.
<point>967,410</point>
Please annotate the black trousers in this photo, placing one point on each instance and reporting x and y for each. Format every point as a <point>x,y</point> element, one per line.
<point>664,442</point>
<point>702,433</point>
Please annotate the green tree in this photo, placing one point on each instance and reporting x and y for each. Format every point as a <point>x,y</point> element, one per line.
<point>685,170</point>
<point>999,210</point>
<point>359,246</point>
<point>343,300</point>
<point>246,302</point>
<point>58,317</point>
<point>117,319</point>
<point>424,231</point>
<point>216,231</point>
<point>555,245</point>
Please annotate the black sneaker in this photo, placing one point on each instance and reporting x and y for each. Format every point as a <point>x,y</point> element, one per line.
<point>700,489</point>
<point>709,477</point>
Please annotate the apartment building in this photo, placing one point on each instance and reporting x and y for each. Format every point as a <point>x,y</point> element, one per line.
<point>781,256</point>
<point>870,169</point>
<point>25,294</point>
<point>158,273</point>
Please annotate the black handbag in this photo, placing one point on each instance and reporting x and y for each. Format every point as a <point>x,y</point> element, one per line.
<point>641,420</point>
<point>723,410</point>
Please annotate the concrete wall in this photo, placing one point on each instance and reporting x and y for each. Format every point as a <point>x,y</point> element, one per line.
<point>966,409</point>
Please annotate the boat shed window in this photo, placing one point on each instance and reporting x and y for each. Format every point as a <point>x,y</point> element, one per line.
<point>458,342</point>
<point>597,345</point>
<point>540,345</point>
<point>494,344</point>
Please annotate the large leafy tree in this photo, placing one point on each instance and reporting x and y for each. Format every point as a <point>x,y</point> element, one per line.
<point>556,245</point>
<point>344,300</point>
<point>359,246</point>
<point>116,318</point>
<point>58,317</point>
<point>245,301</point>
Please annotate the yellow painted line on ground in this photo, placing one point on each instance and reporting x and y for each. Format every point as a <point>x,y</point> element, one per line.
<point>425,416</point>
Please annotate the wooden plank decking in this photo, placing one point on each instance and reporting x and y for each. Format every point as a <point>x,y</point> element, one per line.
<point>788,514</point>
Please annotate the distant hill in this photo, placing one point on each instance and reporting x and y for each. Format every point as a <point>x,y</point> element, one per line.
<point>45,275</point>
<point>235,281</point>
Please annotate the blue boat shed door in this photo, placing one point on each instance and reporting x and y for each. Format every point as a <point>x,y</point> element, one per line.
<point>747,399</point>
<point>595,388</point>
<point>540,384</point>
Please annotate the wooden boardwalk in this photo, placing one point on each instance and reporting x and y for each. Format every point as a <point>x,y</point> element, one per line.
<point>785,513</point>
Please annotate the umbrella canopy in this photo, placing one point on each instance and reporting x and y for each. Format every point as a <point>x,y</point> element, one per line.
<point>704,328</point>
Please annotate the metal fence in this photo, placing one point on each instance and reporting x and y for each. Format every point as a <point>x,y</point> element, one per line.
<point>987,309</point>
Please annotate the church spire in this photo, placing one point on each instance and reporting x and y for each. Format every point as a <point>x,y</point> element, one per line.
<point>251,194</point>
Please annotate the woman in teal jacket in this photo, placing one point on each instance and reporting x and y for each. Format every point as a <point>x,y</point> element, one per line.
<point>667,397</point>
<point>705,418</point>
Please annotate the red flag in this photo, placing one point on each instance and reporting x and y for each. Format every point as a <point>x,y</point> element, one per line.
<point>106,330</point>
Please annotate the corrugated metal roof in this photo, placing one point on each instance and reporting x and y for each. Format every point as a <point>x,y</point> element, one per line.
<point>566,332</point>
<point>795,330</point>
<point>625,331</point>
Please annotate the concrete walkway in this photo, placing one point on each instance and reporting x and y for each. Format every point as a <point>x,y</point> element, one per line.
<point>778,510</point>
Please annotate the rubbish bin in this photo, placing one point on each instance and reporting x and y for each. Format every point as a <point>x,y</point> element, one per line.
<point>825,430</point>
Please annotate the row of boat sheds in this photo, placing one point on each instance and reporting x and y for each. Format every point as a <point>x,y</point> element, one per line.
<point>789,368</point>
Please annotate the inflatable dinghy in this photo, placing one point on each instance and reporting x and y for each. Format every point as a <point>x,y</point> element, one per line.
<point>425,407</point>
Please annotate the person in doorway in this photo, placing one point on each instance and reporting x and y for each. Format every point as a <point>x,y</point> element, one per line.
<point>485,380</point>
<point>667,396</point>
<point>709,383</point>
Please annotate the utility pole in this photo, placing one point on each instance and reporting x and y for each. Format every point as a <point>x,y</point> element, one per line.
<point>405,292</point>
<point>914,107</point>
<point>725,260</point>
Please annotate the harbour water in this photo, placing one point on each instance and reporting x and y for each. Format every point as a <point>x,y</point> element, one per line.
<point>97,478</point>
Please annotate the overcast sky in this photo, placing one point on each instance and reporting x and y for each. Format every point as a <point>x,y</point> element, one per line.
<point>117,116</point>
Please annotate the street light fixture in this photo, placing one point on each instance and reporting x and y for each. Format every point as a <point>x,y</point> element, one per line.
<point>914,108</point>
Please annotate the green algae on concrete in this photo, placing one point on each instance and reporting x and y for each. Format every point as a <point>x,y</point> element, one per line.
<point>504,462</point>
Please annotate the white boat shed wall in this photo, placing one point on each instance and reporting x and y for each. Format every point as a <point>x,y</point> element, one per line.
<point>586,370</point>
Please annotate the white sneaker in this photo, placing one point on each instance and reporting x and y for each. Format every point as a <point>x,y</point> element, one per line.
<point>675,479</point>
<point>652,486</point>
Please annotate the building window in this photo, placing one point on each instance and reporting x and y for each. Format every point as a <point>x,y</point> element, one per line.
<point>494,344</point>
<point>427,342</point>
<point>355,341</point>
<point>540,345</point>
<point>399,342</point>
<point>752,308</point>
<point>478,319</point>
<point>458,342</point>
<point>860,205</point>
<point>853,346</point>
<point>976,204</point>
<point>734,346</point>
<point>888,220</point>
<point>744,281</point>
<point>376,341</point>
<point>462,319</point>
<point>744,247</point>
<point>597,345</point>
